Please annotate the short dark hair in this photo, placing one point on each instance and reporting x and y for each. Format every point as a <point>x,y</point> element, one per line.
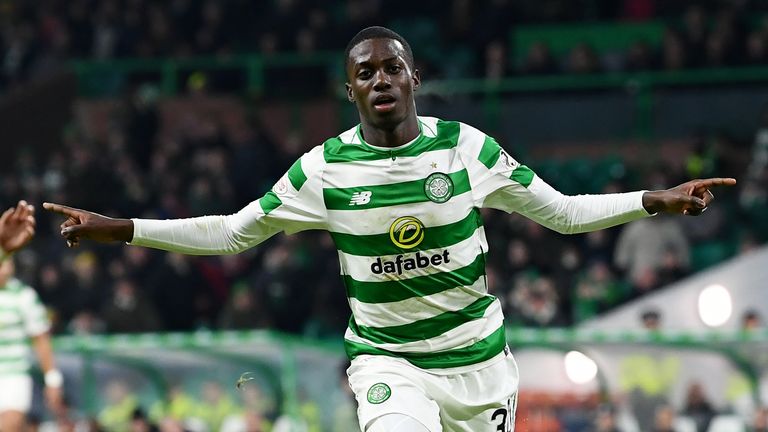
<point>378,32</point>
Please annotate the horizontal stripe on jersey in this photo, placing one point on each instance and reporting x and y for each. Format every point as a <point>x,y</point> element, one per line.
<point>420,286</point>
<point>416,308</point>
<point>434,237</point>
<point>478,352</point>
<point>423,329</point>
<point>391,194</point>
<point>336,151</point>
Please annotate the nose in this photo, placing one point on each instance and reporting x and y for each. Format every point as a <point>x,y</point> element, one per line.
<point>381,81</point>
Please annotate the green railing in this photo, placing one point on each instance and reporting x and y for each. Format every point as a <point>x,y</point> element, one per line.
<point>744,349</point>
<point>99,78</point>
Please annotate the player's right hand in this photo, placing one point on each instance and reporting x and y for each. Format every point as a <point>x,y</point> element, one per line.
<point>82,224</point>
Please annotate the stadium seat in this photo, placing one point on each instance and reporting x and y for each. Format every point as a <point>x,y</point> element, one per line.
<point>727,423</point>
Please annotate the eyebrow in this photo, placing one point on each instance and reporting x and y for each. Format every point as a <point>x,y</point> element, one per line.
<point>368,62</point>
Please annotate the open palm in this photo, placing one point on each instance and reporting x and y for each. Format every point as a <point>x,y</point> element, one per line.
<point>17,227</point>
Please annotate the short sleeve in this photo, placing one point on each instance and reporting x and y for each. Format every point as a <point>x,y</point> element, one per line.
<point>33,313</point>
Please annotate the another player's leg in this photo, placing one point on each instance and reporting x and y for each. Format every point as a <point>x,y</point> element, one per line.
<point>391,396</point>
<point>12,421</point>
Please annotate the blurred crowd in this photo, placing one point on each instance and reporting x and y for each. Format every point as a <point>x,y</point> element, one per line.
<point>39,37</point>
<point>291,283</point>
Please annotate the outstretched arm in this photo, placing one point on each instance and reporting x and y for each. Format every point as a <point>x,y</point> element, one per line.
<point>206,235</point>
<point>584,213</point>
<point>17,227</point>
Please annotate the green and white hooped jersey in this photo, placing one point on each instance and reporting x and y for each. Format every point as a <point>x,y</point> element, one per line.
<point>21,317</point>
<point>410,238</point>
<point>407,226</point>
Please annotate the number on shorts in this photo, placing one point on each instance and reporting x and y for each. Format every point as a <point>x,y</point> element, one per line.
<point>503,426</point>
<point>502,412</point>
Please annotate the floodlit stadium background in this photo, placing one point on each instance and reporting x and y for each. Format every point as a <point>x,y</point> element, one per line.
<point>190,107</point>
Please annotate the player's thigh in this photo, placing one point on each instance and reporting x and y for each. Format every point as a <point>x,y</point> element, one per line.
<point>12,421</point>
<point>385,386</point>
<point>483,400</point>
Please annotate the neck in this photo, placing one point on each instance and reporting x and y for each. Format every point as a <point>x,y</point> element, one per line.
<point>400,134</point>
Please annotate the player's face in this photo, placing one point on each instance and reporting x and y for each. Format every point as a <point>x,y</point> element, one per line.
<point>381,83</point>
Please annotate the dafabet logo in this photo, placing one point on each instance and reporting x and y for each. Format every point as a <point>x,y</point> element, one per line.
<point>407,232</point>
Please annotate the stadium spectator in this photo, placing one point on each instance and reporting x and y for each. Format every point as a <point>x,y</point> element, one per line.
<point>596,291</point>
<point>120,404</point>
<point>242,311</point>
<point>698,407</point>
<point>695,34</point>
<point>674,55</point>
<point>644,250</point>
<point>215,405</point>
<point>539,60</point>
<point>664,419</point>
<point>760,420</point>
<point>757,49</point>
<point>129,311</point>
<point>140,422</point>
<point>640,57</point>
<point>750,320</point>
<point>605,420</point>
<point>651,320</point>
<point>583,60</point>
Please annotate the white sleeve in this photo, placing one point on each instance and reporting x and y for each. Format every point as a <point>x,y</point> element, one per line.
<point>580,213</point>
<point>294,204</point>
<point>500,182</point>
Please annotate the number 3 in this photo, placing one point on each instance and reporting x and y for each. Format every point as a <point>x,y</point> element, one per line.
<point>502,426</point>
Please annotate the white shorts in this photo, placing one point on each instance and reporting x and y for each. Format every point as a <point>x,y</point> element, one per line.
<point>15,393</point>
<point>481,400</point>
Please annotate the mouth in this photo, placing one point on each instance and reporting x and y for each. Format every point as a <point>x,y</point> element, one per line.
<point>384,103</point>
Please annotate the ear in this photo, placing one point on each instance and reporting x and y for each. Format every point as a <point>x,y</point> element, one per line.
<point>416,77</point>
<point>350,95</point>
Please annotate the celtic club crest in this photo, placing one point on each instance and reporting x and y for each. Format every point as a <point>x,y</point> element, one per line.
<point>378,393</point>
<point>438,187</point>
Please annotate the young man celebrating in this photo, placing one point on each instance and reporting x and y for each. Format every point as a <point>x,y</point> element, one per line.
<point>401,197</point>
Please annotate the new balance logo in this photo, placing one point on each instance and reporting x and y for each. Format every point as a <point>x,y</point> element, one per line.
<point>360,198</point>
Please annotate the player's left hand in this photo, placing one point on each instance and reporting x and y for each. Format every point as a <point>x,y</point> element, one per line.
<point>690,198</point>
<point>17,227</point>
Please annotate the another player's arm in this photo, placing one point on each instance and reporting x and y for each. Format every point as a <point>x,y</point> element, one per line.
<point>52,377</point>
